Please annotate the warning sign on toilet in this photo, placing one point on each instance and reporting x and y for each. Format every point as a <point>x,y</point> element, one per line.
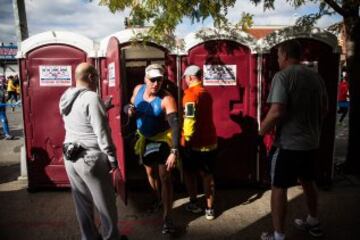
<point>219,75</point>
<point>111,71</point>
<point>55,75</point>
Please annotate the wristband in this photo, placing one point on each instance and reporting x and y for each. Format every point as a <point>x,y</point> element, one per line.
<point>174,151</point>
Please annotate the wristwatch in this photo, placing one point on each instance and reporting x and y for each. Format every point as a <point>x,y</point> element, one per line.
<point>175,151</point>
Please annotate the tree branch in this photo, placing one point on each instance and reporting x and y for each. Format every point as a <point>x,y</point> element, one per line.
<point>336,7</point>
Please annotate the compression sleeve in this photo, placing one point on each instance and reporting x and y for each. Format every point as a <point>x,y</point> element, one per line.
<point>173,121</point>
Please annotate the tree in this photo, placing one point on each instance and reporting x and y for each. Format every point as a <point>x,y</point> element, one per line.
<point>166,15</point>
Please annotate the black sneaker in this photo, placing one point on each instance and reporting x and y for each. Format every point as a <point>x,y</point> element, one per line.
<point>193,207</point>
<point>123,237</point>
<point>155,207</point>
<point>168,226</point>
<point>313,230</point>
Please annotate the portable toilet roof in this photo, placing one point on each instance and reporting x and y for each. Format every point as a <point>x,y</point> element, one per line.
<point>210,34</point>
<point>295,32</point>
<point>57,37</point>
<point>127,36</point>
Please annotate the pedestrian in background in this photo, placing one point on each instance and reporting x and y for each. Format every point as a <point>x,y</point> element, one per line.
<point>3,83</point>
<point>3,117</point>
<point>298,105</point>
<point>199,141</point>
<point>11,89</point>
<point>343,97</point>
<point>89,155</point>
<point>17,85</point>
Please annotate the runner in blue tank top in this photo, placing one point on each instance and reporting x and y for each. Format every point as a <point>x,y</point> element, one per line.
<point>150,117</point>
<point>158,129</point>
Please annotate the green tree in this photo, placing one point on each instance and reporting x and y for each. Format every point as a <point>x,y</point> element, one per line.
<point>165,15</point>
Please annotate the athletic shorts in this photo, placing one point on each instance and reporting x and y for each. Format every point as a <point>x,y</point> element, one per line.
<point>195,161</point>
<point>156,153</point>
<point>287,166</point>
<point>343,104</point>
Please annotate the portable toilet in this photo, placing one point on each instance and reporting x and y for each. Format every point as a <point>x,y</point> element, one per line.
<point>47,63</point>
<point>229,63</point>
<point>321,53</point>
<point>123,59</point>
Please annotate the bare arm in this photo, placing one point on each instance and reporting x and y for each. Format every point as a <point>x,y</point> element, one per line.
<point>131,110</point>
<point>136,90</point>
<point>168,104</point>
<point>276,112</point>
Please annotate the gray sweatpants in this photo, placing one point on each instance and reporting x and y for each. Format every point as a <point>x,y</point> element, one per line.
<point>91,185</point>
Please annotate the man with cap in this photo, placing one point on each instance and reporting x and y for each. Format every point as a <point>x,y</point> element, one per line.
<point>158,130</point>
<point>199,141</point>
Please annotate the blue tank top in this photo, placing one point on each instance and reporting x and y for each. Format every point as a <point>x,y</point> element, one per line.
<point>150,118</point>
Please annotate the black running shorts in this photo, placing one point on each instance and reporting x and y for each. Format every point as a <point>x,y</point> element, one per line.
<point>287,166</point>
<point>156,153</point>
<point>199,161</point>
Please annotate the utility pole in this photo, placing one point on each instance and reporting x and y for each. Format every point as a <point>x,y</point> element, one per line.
<point>20,21</point>
<point>21,34</point>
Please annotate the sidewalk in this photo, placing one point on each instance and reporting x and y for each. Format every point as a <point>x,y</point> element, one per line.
<point>242,213</point>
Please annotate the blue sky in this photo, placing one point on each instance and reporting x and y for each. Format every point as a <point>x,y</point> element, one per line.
<point>96,22</point>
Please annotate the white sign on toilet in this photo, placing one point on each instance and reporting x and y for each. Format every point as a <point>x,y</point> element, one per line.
<point>55,75</point>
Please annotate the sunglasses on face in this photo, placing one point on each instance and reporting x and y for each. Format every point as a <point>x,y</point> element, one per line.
<point>158,79</point>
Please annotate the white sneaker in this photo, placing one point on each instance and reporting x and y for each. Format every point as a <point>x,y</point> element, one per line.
<point>313,230</point>
<point>209,214</point>
<point>267,236</point>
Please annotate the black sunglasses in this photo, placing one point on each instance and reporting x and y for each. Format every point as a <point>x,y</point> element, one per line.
<point>157,79</point>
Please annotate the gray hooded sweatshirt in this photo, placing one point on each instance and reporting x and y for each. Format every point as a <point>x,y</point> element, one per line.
<point>85,120</point>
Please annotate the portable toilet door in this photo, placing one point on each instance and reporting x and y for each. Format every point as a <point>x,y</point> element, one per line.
<point>321,53</point>
<point>229,64</point>
<point>47,65</point>
<point>122,67</point>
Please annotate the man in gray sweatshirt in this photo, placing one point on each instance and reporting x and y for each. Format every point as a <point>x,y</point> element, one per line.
<point>86,125</point>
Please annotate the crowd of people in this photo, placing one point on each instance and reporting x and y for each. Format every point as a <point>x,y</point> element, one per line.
<point>298,104</point>
<point>9,94</point>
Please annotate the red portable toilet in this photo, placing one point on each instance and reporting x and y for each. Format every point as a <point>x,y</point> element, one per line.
<point>322,53</point>
<point>229,63</point>
<point>123,59</point>
<point>47,65</point>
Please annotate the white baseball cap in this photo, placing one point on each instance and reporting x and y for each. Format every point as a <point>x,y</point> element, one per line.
<point>192,70</point>
<point>154,71</point>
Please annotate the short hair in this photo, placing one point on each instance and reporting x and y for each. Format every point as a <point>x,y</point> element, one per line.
<point>291,48</point>
<point>83,73</point>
